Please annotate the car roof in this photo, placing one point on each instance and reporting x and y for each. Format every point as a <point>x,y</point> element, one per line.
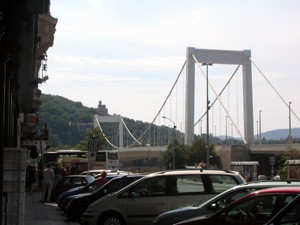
<point>267,183</point>
<point>80,176</point>
<point>289,189</point>
<point>193,171</point>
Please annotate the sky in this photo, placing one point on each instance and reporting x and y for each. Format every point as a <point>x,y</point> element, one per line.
<point>128,55</point>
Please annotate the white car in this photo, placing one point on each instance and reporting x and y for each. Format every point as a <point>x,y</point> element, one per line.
<point>140,202</point>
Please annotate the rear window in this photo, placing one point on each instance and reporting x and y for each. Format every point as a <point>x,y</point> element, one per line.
<point>188,184</point>
<point>222,183</point>
<point>200,184</point>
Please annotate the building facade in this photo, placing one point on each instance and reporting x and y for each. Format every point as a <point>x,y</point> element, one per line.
<point>26,32</point>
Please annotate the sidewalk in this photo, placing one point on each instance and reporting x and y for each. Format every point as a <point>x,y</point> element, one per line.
<point>38,213</point>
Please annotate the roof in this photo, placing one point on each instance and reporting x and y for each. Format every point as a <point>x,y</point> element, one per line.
<point>287,189</point>
<point>193,171</point>
<point>292,162</point>
<point>244,163</point>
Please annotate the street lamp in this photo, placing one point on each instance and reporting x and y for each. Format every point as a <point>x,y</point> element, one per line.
<point>174,126</point>
<point>290,124</point>
<point>207,114</point>
<point>259,126</point>
<point>257,132</point>
<point>226,128</point>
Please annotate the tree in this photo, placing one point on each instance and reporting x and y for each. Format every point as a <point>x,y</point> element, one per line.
<point>290,154</point>
<point>93,133</point>
<point>189,155</point>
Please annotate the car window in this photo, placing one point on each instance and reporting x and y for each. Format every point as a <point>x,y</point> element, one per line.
<point>186,184</point>
<point>258,208</point>
<point>222,183</point>
<point>67,181</point>
<point>292,216</point>
<point>231,197</point>
<point>78,181</point>
<point>155,186</point>
<point>117,184</point>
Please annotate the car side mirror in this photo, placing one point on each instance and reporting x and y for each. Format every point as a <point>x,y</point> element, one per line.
<point>213,206</point>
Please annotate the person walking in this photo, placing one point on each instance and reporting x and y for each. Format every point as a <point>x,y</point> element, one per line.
<point>31,178</point>
<point>102,179</point>
<point>48,182</point>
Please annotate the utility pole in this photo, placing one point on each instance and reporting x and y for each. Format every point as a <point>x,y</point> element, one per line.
<point>207,114</point>
<point>174,126</point>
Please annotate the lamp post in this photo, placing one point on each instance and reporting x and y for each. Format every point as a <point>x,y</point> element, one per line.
<point>259,126</point>
<point>207,113</point>
<point>201,128</point>
<point>290,124</point>
<point>174,126</point>
<point>257,132</point>
<point>226,128</point>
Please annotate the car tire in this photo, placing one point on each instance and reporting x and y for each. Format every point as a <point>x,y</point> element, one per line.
<point>111,219</point>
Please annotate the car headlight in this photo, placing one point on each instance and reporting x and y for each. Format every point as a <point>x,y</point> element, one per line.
<point>91,209</point>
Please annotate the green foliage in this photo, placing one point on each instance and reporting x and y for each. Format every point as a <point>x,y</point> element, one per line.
<point>189,155</point>
<point>289,154</point>
<point>93,133</point>
<point>64,118</point>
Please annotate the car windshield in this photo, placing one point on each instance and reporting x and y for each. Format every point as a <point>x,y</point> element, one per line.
<point>221,200</point>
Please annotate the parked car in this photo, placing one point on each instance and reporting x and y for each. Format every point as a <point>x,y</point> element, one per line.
<point>96,173</point>
<point>217,203</point>
<point>78,204</point>
<point>140,202</point>
<point>256,208</point>
<point>289,215</point>
<point>90,187</point>
<point>70,181</point>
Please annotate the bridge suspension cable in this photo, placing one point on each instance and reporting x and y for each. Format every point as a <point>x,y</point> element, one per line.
<point>220,101</point>
<point>159,111</point>
<point>130,132</point>
<point>284,101</point>
<point>111,144</point>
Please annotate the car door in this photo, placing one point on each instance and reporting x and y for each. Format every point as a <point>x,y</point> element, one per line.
<point>146,200</point>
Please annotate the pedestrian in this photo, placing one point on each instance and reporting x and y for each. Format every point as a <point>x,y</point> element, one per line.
<point>102,179</point>
<point>68,172</point>
<point>48,182</point>
<point>31,178</point>
<point>57,173</point>
<point>73,170</point>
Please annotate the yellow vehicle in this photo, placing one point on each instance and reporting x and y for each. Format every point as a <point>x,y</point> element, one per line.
<point>80,164</point>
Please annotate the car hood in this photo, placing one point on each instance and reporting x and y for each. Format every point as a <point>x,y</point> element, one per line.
<point>80,195</point>
<point>176,215</point>
<point>75,189</point>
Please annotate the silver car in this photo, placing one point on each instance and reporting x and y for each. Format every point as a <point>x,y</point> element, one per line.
<point>140,202</point>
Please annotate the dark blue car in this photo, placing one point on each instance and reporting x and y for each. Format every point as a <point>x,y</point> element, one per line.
<point>79,190</point>
<point>77,204</point>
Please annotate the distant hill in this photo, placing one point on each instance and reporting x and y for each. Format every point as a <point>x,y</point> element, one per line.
<point>281,134</point>
<point>69,122</point>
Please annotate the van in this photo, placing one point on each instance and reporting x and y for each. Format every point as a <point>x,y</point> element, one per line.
<point>140,202</point>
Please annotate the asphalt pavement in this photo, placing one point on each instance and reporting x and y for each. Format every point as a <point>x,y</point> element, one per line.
<point>39,213</point>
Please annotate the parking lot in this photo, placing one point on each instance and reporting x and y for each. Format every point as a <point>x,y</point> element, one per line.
<point>38,213</point>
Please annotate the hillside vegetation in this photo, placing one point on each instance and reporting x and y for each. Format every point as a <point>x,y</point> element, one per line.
<point>69,123</point>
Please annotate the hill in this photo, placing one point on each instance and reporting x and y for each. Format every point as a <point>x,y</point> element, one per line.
<point>69,122</point>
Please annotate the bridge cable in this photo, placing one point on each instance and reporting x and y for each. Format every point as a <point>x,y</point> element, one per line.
<point>218,97</point>
<point>104,134</point>
<point>163,103</point>
<point>284,101</point>
<point>130,132</point>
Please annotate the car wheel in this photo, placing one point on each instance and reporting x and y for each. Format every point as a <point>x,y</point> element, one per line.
<point>111,219</point>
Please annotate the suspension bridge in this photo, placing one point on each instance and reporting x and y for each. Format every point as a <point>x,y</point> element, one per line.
<point>198,94</point>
